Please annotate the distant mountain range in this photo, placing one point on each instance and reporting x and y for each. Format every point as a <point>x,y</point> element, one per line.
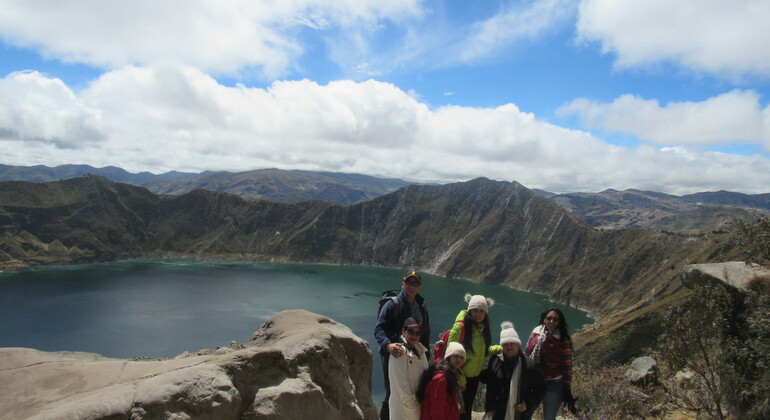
<point>611,209</point>
<point>265,184</point>
<point>608,209</point>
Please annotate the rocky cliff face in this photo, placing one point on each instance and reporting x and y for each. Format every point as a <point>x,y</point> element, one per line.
<point>297,365</point>
<point>482,230</point>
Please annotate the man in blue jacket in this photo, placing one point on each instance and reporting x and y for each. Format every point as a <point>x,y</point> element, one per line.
<point>391,319</point>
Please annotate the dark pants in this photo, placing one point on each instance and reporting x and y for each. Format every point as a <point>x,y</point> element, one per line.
<point>469,396</point>
<point>384,409</point>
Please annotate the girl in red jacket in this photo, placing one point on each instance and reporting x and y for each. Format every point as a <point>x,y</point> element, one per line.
<point>442,396</point>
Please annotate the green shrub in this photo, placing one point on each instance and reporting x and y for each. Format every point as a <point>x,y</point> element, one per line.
<point>715,353</point>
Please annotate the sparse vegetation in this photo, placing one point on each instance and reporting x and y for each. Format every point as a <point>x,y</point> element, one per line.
<point>714,354</point>
<point>754,238</point>
<point>604,393</point>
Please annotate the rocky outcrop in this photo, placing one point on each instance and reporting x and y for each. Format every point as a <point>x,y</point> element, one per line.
<point>297,365</point>
<point>737,274</point>
<point>642,371</point>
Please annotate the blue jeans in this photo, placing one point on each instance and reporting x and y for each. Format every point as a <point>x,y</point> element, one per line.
<point>554,395</point>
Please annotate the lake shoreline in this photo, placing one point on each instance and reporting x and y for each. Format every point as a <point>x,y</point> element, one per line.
<point>234,258</point>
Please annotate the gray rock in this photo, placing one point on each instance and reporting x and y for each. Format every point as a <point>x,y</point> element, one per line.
<point>642,371</point>
<point>683,377</point>
<point>297,365</point>
<point>734,273</point>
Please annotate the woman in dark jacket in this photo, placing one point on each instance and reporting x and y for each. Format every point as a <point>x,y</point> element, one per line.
<point>515,384</point>
<point>550,346</point>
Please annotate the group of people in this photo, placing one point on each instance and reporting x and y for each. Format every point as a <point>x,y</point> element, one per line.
<point>518,376</point>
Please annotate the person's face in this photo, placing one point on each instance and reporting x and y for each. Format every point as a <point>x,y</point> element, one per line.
<point>511,349</point>
<point>412,335</point>
<point>478,315</point>
<point>552,321</point>
<point>456,361</point>
<point>411,286</point>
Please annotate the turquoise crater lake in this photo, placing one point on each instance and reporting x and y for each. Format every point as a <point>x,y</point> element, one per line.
<point>161,308</point>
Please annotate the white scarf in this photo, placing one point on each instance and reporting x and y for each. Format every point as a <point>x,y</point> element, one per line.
<point>511,413</point>
<point>543,333</point>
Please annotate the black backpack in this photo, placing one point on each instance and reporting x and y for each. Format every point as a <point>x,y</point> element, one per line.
<point>387,295</point>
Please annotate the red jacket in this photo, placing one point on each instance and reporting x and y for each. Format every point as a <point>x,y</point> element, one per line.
<point>437,403</point>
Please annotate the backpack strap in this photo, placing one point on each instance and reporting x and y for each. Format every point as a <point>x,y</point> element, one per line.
<point>396,308</point>
<point>395,313</point>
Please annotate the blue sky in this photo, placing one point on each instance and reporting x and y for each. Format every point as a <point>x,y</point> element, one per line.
<point>563,95</point>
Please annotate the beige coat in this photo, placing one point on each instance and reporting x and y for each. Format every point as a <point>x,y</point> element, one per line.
<point>405,373</point>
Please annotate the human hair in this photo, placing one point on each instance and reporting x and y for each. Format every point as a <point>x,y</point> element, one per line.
<point>468,323</point>
<point>450,372</point>
<point>562,326</point>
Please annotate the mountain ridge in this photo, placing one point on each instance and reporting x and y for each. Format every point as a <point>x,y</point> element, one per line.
<point>488,231</point>
<point>632,208</point>
<point>269,184</point>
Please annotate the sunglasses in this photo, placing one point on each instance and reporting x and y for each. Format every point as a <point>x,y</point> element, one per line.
<point>412,283</point>
<point>414,331</point>
<point>552,318</point>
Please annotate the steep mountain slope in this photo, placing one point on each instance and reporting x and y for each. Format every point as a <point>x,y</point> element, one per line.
<point>486,231</point>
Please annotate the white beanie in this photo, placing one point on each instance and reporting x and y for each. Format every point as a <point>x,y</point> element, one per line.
<point>479,302</point>
<point>508,334</point>
<point>454,349</point>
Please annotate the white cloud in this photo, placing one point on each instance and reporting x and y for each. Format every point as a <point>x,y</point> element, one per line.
<point>513,24</point>
<point>725,38</point>
<point>216,36</point>
<point>160,118</point>
<point>432,40</point>
<point>732,117</point>
<point>36,108</point>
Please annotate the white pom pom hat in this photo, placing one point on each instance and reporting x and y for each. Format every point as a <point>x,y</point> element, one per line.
<point>479,302</point>
<point>509,334</point>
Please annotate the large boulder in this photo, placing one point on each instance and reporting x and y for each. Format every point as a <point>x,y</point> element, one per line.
<point>297,365</point>
<point>737,274</point>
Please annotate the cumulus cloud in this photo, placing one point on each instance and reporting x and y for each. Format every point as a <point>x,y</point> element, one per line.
<point>719,37</point>
<point>40,109</point>
<point>732,117</point>
<point>161,118</point>
<point>216,36</point>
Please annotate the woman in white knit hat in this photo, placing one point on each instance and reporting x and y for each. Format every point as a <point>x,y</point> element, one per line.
<point>472,329</point>
<point>440,387</point>
<point>515,384</point>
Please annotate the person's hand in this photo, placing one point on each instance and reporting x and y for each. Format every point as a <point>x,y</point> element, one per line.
<point>521,407</point>
<point>569,400</point>
<point>396,349</point>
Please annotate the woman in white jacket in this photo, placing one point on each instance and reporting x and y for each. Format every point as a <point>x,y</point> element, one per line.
<point>405,373</point>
